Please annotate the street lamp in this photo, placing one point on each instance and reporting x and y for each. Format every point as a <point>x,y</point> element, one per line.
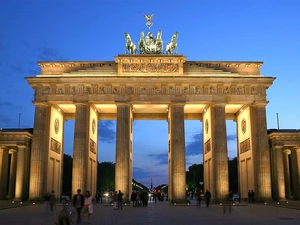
<point>201,183</point>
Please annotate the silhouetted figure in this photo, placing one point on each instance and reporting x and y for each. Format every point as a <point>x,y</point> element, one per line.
<point>207,197</point>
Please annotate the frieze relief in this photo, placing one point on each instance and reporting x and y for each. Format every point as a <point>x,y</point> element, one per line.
<point>245,146</point>
<point>150,68</point>
<point>207,146</point>
<point>149,90</point>
<point>55,146</point>
<point>92,146</point>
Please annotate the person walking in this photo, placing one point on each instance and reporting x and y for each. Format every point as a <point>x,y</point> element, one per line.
<point>64,217</point>
<point>52,201</point>
<point>88,203</point>
<point>227,203</point>
<point>207,197</point>
<point>199,198</point>
<point>78,203</point>
<point>120,199</point>
<point>115,200</point>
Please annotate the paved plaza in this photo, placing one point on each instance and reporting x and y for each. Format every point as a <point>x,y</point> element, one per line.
<point>159,214</point>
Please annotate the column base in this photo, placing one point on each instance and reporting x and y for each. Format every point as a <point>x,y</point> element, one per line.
<point>179,201</point>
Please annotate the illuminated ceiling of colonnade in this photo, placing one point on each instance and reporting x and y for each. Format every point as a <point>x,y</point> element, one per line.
<point>150,111</point>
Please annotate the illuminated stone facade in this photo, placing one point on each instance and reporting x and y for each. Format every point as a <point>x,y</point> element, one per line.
<point>151,87</point>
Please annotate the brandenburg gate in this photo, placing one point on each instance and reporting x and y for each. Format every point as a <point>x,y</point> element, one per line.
<point>156,84</point>
<point>150,87</point>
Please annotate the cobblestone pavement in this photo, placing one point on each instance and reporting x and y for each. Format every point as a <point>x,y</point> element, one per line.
<point>160,213</point>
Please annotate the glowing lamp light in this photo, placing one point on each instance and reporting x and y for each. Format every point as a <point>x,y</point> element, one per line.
<point>33,203</point>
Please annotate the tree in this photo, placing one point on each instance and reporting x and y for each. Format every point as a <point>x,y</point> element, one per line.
<point>106,176</point>
<point>194,176</point>
<point>233,175</point>
<point>67,174</point>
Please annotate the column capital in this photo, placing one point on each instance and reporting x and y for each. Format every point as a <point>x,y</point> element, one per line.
<point>286,151</point>
<point>296,148</point>
<point>40,104</point>
<point>81,104</point>
<point>122,103</point>
<point>218,104</point>
<point>177,104</point>
<point>260,104</point>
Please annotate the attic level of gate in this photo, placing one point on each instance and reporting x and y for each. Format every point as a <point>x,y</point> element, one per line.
<point>150,65</point>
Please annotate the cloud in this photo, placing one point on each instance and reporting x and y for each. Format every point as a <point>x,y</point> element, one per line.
<point>16,68</point>
<point>158,175</point>
<point>195,147</point>
<point>231,137</point>
<point>5,121</point>
<point>162,158</point>
<point>107,131</point>
<point>10,106</point>
<point>48,54</point>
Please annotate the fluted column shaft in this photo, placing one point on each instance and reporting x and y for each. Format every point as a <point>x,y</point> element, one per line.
<point>295,159</point>
<point>39,150</point>
<point>20,173</point>
<point>81,148</point>
<point>178,171</point>
<point>219,148</point>
<point>122,173</point>
<point>3,172</point>
<point>278,174</point>
<point>12,175</point>
<point>287,179</point>
<point>261,152</point>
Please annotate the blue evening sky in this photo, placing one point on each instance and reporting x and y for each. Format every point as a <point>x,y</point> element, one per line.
<point>209,30</point>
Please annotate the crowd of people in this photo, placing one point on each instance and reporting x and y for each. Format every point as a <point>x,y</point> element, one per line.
<point>83,204</point>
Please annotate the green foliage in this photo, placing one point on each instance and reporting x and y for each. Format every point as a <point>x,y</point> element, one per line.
<point>233,175</point>
<point>138,186</point>
<point>194,176</point>
<point>67,174</point>
<point>106,176</point>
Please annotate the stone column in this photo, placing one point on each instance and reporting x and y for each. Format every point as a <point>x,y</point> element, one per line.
<point>20,173</point>
<point>81,148</point>
<point>278,175</point>
<point>12,175</point>
<point>287,179</point>
<point>39,151</point>
<point>3,172</point>
<point>178,171</point>
<point>261,153</point>
<point>122,173</point>
<point>295,154</point>
<point>219,151</point>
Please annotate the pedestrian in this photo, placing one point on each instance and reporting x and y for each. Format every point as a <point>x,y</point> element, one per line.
<point>88,204</point>
<point>227,204</point>
<point>120,199</point>
<point>52,201</point>
<point>249,196</point>
<point>252,196</point>
<point>115,200</point>
<point>64,215</point>
<point>97,196</point>
<point>133,198</point>
<point>78,203</point>
<point>199,198</point>
<point>207,197</point>
<point>47,204</point>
